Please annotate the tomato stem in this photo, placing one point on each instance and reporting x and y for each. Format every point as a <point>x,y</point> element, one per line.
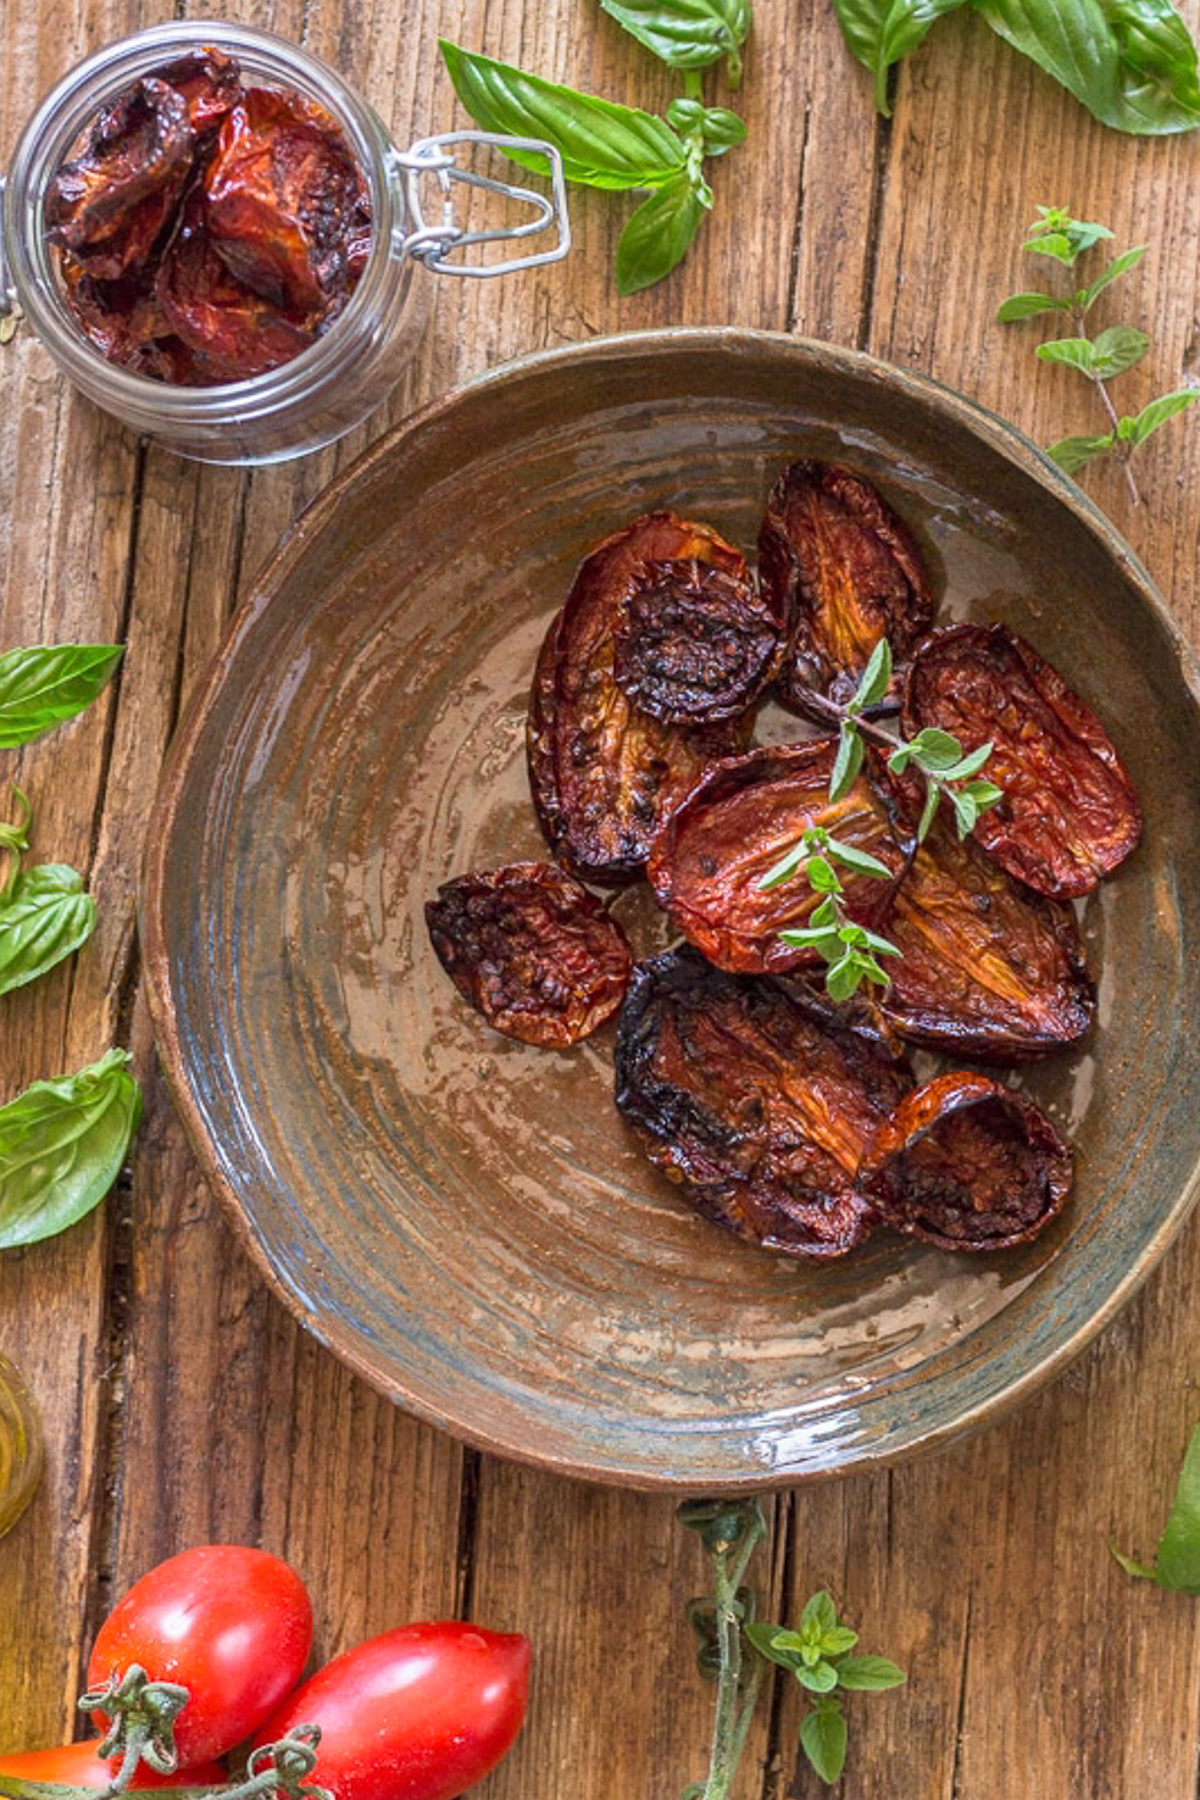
<point>141,1718</point>
<point>280,1768</point>
<point>731,1534</point>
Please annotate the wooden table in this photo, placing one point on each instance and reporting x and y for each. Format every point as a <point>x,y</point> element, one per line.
<point>180,1401</point>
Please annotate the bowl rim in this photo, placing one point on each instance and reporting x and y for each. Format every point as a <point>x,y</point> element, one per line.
<point>1000,435</point>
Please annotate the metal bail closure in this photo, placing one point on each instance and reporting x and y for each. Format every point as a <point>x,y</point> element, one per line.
<point>434,244</point>
<point>8,293</point>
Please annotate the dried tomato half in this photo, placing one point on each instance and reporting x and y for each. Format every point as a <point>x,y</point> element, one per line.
<point>210,82</point>
<point>282,188</point>
<point>532,950</point>
<point>695,640</point>
<point>986,968</point>
<point>967,1164</point>
<point>755,1108</point>
<point>838,562</point>
<point>710,856</point>
<point>1069,815</point>
<point>110,206</point>
<point>604,773</point>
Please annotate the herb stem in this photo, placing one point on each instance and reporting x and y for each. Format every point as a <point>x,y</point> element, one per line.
<point>1120,448</point>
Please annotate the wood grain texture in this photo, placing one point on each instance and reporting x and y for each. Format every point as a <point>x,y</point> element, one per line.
<point>180,1402</point>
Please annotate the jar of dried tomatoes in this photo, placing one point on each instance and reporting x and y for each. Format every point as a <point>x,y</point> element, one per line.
<point>139,240</point>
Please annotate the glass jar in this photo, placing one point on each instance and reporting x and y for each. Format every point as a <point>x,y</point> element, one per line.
<point>335,382</point>
<point>21,1452</point>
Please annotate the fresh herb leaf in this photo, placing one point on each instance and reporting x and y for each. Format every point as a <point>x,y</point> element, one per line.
<point>861,861</point>
<point>721,130</point>
<point>1118,349</point>
<point>823,1736</point>
<point>838,1640</point>
<point>821,877</point>
<point>935,751</point>
<point>928,811</point>
<point>602,144</point>
<point>869,1674</point>
<point>1055,233</point>
<point>970,764</point>
<point>782,1647</point>
<point>880,32</point>
<point>1159,411</point>
<point>62,1144</point>
<point>1072,453</point>
<point>1177,1559</point>
<point>821,1678</point>
<point>784,869</point>
<point>1119,265</point>
<point>1028,306</point>
<point>46,918</point>
<point>847,763</point>
<point>44,684</point>
<point>875,679</point>
<point>1073,353</point>
<point>687,34</point>
<point>658,235</point>
<point>1132,63</point>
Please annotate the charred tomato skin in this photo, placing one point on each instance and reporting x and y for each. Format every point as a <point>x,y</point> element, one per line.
<point>847,571</point>
<point>602,773</point>
<point>967,1164</point>
<point>755,1108</point>
<point>529,948</point>
<point>696,640</point>
<point>1069,815</point>
<point>742,817</point>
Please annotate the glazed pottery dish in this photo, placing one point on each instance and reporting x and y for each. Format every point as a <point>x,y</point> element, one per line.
<point>465,1219</point>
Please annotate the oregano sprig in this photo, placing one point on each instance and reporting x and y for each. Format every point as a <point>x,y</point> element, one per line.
<point>850,952</point>
<point>606,145</point>
<point>1055,234</point>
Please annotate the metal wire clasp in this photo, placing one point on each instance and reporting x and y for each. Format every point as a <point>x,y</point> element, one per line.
<point>434,244</point>
<point>8,293</point>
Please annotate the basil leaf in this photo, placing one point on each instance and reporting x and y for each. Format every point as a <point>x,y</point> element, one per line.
<point>44,684</point>
<point>1072,452</point>
<point>870,1674</point>
<point>602,144</point>
<point>1120,265</point>
<point>657,236</point>
<point>62,1144</point>
<point>1132,63</point>
<point>823,1735</point>
<point>687,34</point>
<point>48,917</point>
<point>880,32</point>
<point>1177,1559</point>
<point>1028,306</point>
<point>1073,353</point>
<point>1159,411</point>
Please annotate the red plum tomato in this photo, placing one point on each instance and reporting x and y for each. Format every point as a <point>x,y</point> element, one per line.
<point>420,1713</point>
<point>232,1625</point>
<point>79,1766</point>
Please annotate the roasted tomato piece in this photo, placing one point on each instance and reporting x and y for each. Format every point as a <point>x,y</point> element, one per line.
<point>210,83</point>
<point>986,968</point>
<point>695,640</point>
<point>709,859</point>
<point>755,1107</point>
<point>282,188</point>
<point>122,318</point>
<point>231,332</point>
<point>110,205</point>
<point>532,950</point>
<point>603,773</point>
<point>968,1164</point>
<point>1069,815</point>
<point>834,558</point>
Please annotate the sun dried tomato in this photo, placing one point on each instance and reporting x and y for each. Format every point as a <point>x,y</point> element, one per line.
<point>231,332</point>
<point>281,190</point>
<point>532,950</point>
<point>709,858</point>
<point>986,968</point>
<point>695,640</point>
<point>838,562</point>
<point>755,1108</point>
<point>603,773</point>
<point>110,206</point>
<point>1069,815</point>
<point>967,1164</point>
<point>210,83</point>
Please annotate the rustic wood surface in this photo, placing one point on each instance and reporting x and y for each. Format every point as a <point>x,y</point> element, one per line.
<point>181,1404</point>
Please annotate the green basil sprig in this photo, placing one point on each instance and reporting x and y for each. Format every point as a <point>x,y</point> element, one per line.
<point>44,684</point>
<point>605,145</point>
<point>47,918</point>
<point>1132,63</point>
<point>62,1144</point>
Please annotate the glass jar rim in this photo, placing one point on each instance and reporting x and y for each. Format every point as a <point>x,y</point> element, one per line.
<point>66,111</point>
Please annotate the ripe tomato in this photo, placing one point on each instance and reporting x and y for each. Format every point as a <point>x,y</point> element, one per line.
<point>232,1625</point>
<point>420,1713</point>
<point>77,1765</point>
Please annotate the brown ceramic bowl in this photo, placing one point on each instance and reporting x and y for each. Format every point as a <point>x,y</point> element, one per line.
<point>465,1219</point>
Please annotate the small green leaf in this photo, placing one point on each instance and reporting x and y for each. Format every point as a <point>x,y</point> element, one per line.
<point>880,945</point>
<point>928,811</point>
<point>827,944</point>
<point>1028,306</point>
<point>782,1647</point>
<point>869,1674</point>
<point>821,1678</point>
<point>1136,1569</point>
<point>1073,353</point>
<point>984,793</point>
<point>62,1144</point>
<point>850,857</point>
<point>47,917</point>
<point>784,869</point>
<point>658,235</point>
<point>821,877</point>
<point>44,684</point>
<point>1055,233</point>
<point>1120,265</point>
<point>847,763</point>
<point>1118,349</point>
<point>1159,411</point>
<point>826,914</point>
<point>875,679</point>
<point>686,34</point>
<point>823,1737</point>
<point>842,978</point>
<point>721,130</point>
<point>602,144</point>
<point>965,812</point>
<point>899,759</point>
<point>970,764</point>
<point>1177,1559</point>
<point>936,750</point>
<point>880,32</point>
<point>1072,453</point>
<point>841,1638</point>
